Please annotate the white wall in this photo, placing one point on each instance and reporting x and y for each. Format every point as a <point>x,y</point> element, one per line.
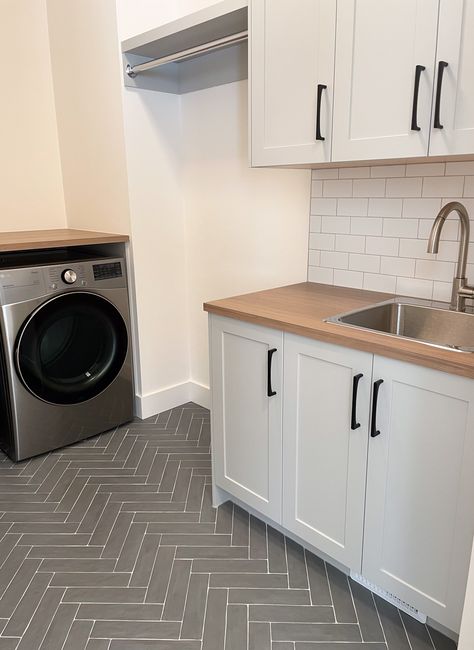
<point>246,229</point>
<point>213,226</point>
<point>87,87</point>
<point>32,194</point>
<point>466,637</point>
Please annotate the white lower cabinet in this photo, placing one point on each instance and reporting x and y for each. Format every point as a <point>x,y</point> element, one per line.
<point>420,488</point>
<point>246,367</point>
<point>325,426</point>
<point>315,457</point>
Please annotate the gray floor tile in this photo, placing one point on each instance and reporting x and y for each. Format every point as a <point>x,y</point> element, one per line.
<point>341,596</point>
<point>113,544</point>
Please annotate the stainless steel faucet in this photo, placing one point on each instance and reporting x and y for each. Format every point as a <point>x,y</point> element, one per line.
<point>461,288</point>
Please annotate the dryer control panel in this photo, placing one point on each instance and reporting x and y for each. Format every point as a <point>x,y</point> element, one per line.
<point>20,284</point>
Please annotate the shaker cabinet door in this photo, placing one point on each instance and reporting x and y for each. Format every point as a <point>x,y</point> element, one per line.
<point>419,509</point>
<point>291,73</point>
<point>385,55</point>
<point>453,106</point>
<point>325,424</point>
<point>246,422</point>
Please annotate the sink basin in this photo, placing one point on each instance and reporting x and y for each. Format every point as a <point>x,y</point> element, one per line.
<point>423,322</point>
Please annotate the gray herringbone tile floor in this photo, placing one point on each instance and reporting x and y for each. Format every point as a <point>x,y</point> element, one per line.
<point>112,544</point>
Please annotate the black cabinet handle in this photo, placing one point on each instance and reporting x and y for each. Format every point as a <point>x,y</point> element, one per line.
<point>441,66</point>
<point>373,424</point>
<point>321,87</point>
<point>355,386</point>
<point>414,113</point>
<point>270,391</point>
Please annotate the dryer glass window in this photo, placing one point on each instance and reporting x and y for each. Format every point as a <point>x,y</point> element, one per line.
<point>71,348</point>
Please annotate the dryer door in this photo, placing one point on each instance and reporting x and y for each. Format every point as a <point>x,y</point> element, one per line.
<point>71,348</point>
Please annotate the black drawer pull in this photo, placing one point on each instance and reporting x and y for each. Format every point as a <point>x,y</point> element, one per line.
<point>355,386</point>
<point>270,391</point>
<point>441,66</point>
<point>414,113</point>
<point>373,425</point>
<point>321,87</point>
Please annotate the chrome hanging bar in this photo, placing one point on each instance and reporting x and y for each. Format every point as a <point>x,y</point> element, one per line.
<point>132,71</point>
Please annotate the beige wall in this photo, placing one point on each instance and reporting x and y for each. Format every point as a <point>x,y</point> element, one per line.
<point>87,86</point>
<point>31,195</point>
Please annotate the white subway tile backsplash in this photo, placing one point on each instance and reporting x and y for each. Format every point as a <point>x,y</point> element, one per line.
<point>434,270</point>
<point>366,226</point>
<point>378,282</point>
<point>322,241</point>
<point>385,207</point>
<point>324,174</point>
<point>318,274</point>
<point>421,208</point>
<point>426,169</point>
<point>348,278</point>
<point>442,291</point>
<point>350,243</point>
<point>415,287</point>
<point>450,229</point>
<point>314,258</point>
<point>382,246</point>
<point>334,260</point>
<point>443,186</point>
<point>464,168</point>
<point>366,263</point>
<point>323,206</point>
<point>315,223</point>
<point>352,207</point>
<point>469,186</point>
<point>387,171</point>
<point>336,224</point>
<point>402,266</point>
<point>354,172</point>
<point>369,227</point>
<point>404,187</point>
<point>400,228</point>
<point>369,187</point>
<point>337,188</point>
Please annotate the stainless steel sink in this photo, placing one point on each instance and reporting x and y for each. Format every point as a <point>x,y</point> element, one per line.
<point>420,321</point>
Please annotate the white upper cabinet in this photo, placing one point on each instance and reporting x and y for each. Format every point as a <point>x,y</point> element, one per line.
<point>291,72</point>
<point>385,59</point>
<point>420,484</point>
<point>453,106</point>
<point>325,431</point>
<point>246,369</point>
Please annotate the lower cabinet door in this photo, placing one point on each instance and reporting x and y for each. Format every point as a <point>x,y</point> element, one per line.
<point>420,488</point>
<point>325,433</point>
<point>246,369</point>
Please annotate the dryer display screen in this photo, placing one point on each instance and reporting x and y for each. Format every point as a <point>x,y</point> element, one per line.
<point>107,271</point>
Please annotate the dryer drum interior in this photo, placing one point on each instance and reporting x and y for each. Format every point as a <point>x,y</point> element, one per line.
<point>71,348</point>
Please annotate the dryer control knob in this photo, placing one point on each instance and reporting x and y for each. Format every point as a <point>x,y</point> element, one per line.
<point>69,276</point>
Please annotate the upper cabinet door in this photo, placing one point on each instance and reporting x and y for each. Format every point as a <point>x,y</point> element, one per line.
<point>291,72</point>
<point>453,106</point>
<point>419,507</point>
<point>379,48</point>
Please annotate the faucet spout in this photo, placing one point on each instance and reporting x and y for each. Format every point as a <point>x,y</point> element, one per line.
<point>461,288</point>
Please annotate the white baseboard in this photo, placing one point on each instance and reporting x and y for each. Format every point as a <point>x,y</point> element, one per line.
<point>167,398</point>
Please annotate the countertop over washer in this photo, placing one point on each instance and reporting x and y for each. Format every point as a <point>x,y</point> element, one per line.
<point>24,240</point>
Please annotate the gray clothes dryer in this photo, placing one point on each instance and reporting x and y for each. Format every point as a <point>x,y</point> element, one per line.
<point>66,359</point>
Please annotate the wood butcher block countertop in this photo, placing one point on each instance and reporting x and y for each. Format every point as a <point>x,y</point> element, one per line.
<point>302,308</point>
<point>24,240</point>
